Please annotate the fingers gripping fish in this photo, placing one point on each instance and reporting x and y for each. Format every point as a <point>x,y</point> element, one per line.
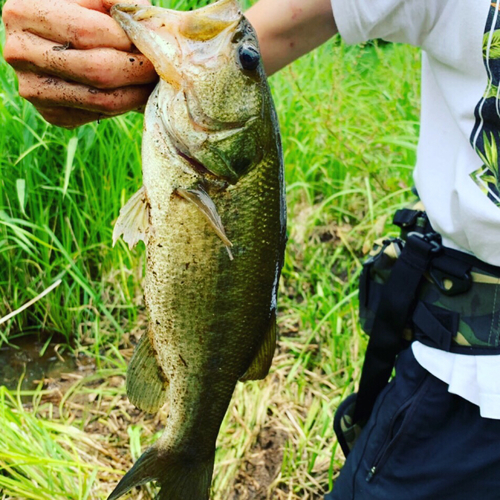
<point>212,215</point>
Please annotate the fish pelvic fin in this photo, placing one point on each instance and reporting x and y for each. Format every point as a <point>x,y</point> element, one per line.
<point>147,385</point>
<point>179,478</point>
<point>133,222</point>
<point>202,201</point>
<point>261,363</point>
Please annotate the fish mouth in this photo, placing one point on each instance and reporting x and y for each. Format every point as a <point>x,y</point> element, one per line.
<point>162,35</point>
<point>152,37</point>
<point>170,39</point>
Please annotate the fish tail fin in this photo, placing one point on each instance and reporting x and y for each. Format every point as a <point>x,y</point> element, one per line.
<point>180,479</point>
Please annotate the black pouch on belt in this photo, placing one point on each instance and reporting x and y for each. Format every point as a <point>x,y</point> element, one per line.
<point>388,294</point>
<point>376,271</point>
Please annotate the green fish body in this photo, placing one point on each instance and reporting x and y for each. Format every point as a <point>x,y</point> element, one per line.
<point>212,215</point>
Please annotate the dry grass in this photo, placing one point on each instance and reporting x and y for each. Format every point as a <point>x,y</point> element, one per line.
<point>79,434</point>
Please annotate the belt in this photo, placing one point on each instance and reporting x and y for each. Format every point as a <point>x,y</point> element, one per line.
<point>412,288</point>
<point>467,320</point>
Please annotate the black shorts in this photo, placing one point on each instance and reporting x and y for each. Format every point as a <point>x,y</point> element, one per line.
<point>422,443</point>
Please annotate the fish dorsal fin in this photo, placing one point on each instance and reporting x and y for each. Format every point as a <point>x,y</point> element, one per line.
<point>146,383</point>
<point>201,199</point>
<point>261,363</point>
<point>133,222</point>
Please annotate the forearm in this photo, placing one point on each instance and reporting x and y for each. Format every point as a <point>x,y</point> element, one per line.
<point>288,29</point>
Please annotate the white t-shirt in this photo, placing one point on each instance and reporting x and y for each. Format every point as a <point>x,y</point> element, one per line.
<point>458,170</point>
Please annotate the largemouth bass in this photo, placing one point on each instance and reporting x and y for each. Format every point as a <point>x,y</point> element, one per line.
<point>212,215</point>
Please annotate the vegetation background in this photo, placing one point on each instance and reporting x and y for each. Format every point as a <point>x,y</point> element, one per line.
<point>349,121</point>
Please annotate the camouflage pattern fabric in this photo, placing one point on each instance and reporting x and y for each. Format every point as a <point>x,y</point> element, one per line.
<point>478,308</point>
<point>375,274</point>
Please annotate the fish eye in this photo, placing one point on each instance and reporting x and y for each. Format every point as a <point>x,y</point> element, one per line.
<point>249,57</point>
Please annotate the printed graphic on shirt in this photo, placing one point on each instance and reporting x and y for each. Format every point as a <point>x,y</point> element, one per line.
<point>485,137</point>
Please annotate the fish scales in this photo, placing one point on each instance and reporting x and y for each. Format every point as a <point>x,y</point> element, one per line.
<point>212,215</point>
<point>206,316</point>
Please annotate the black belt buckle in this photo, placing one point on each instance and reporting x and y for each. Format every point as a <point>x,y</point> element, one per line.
<point>432,239</point>
<point>448,284</point>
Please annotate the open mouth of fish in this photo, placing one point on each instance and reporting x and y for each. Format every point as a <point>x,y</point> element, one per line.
<point>156,33</point>
<point>162,35</point>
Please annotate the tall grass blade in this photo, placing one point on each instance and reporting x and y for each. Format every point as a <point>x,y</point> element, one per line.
<point>70,156</point>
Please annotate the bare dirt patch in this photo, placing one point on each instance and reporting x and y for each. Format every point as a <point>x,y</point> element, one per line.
<point>262,467</point>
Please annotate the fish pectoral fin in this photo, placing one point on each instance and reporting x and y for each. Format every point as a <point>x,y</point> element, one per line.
<point>146,383</point>
<point>201,199</point>
<point>133,222</point>
<point>261,363</point>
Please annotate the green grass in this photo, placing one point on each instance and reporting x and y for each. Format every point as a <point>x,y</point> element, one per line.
<point>349,121</point>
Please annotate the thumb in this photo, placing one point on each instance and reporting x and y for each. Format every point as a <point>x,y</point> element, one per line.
<point>107,4</point>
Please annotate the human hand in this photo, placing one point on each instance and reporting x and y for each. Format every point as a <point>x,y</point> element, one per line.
<point>73,61</point>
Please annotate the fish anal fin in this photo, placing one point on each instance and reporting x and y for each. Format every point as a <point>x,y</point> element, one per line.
<point>133,222</point>
<point>179,478</point>
<point>261,363</point>
<point>146,383</point>
<point>201,200</point>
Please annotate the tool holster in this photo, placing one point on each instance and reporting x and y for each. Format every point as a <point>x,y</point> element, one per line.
<point>412,288</point>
